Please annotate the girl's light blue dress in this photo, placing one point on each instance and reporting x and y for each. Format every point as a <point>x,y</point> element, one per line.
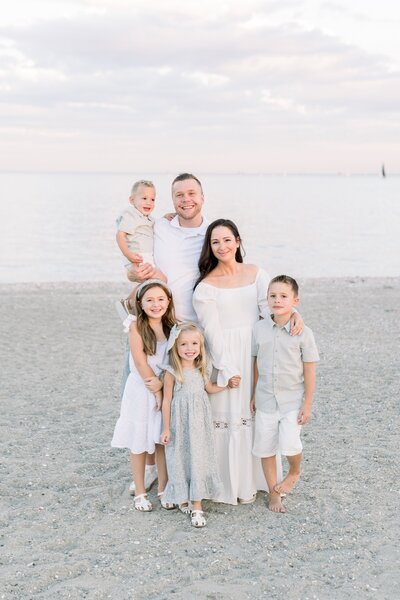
<point>191,458</point>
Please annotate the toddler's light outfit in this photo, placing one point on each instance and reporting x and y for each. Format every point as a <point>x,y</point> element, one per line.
<point>140,233</point>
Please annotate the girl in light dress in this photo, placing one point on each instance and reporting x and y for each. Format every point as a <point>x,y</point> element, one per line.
<point>139,425</point>
<point>188,432</point>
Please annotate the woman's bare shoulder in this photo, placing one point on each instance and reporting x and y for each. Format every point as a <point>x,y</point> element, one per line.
<point>250,269</point>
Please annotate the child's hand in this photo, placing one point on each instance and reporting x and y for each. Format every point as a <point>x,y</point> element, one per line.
<point>234,381</point>
<point>253,406</point>
<point>153,384</point>
<point>136,258</point>
<point>165,437</point>
<point>304,415</point>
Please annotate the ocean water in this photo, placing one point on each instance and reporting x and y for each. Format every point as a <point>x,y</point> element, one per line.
<point>61,227</point>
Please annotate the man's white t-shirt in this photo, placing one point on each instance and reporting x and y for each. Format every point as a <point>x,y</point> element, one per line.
<point>176,253</point>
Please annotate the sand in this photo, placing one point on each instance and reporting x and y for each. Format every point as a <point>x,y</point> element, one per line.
<point>69,529</point>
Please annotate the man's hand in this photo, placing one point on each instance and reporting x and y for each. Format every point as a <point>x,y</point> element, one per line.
<point>139,273</point>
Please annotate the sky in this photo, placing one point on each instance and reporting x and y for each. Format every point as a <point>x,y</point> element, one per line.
<point>250,86</point>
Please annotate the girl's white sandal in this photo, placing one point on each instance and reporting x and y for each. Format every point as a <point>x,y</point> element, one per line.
<point>166,505</point>
<point>197,518</point>
<point>142,503</point>
<point>184,508</point>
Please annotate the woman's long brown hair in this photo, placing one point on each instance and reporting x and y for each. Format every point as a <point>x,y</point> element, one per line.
<point>207,260</point>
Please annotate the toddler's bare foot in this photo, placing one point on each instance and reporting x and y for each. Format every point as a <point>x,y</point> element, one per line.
<point>275,503</point>
<point>286,486</point>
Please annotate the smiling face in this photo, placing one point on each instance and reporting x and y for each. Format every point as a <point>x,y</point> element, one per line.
<point>189,345</point>
<point>188,201</point>
<point>155,302</point>
<point>281,299</point>
<point>144,199</point>
<point>224,244</point>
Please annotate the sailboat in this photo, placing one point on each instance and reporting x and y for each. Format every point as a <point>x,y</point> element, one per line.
<point>383,171</point>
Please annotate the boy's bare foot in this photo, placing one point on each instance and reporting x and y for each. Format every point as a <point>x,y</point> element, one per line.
<point>286,486</point>
<point>275,503</point>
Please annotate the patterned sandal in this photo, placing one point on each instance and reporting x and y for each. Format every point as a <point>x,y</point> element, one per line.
<point>166,505</point>
<point>198,519</point>
<point>184,508</point>
<point>142,503</point>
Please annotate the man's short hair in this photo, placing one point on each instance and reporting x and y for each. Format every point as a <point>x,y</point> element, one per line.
<point>184,176</point>
<point>288,280</point>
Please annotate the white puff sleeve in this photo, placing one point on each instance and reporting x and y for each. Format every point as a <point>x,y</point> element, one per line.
<point>262,282</point>
<point>205,305</point>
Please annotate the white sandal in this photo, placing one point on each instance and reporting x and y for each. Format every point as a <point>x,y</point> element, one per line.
<point>142,503</point>
<point>166,505</point>
<point>184,508</point>
<point>198,519</point>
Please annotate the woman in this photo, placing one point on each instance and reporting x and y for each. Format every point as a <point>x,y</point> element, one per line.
<point>229,297</point>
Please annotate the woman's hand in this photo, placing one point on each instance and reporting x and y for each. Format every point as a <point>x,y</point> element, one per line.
<point>153,384</point>
<point>234,381</point>
<point>296,324</point>
<point>165,437</point>
<point>253,406</point>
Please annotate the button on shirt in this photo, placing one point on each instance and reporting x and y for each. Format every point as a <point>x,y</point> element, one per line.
<point>280,358</point>
<point>176,253</point>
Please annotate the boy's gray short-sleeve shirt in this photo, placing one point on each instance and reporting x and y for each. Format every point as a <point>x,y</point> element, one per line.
<point>280,358</point>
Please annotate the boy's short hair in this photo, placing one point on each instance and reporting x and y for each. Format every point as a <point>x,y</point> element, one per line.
<point>184,176</point>
<point>139,183</point>
<point>288,280</point>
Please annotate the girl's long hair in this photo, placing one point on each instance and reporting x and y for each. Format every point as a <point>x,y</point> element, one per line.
<point>167,320</point>
<point>207,260</point>
<point>199,362</point>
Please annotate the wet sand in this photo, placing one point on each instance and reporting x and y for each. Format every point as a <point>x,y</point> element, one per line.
<point>68,526</point>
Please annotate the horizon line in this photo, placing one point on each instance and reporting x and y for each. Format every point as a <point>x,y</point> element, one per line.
<point>241,173</point>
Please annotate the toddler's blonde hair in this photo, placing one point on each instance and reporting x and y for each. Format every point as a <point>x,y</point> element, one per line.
<point>138,184</point>
<point>199,362</point>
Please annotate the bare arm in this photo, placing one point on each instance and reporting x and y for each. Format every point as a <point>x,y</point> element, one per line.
<point>138,353</point>
<point>169,382</point>
<point>310,376</point>
<point>133,257</point>
<point>253,393</point>
<point>213,388</point>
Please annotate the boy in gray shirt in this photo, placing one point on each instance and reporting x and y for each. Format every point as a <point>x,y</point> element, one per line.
<point>283,388</point>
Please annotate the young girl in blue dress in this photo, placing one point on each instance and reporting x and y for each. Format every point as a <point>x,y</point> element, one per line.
<point>139,425</point>
<point>188,431</point>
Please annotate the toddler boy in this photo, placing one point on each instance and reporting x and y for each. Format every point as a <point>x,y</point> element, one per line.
<point>135,235</point>
<point>284,383</point>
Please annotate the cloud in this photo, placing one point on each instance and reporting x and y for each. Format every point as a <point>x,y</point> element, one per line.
<point>137,71</point>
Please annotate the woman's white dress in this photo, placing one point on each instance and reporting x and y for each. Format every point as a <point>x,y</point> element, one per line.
<point>227,316</point>
<point>139,425</point>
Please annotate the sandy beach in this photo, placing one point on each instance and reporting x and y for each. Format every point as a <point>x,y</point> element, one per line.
<point>68,526</point>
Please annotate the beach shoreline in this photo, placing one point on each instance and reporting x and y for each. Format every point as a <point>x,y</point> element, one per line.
<point>69,529</point>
